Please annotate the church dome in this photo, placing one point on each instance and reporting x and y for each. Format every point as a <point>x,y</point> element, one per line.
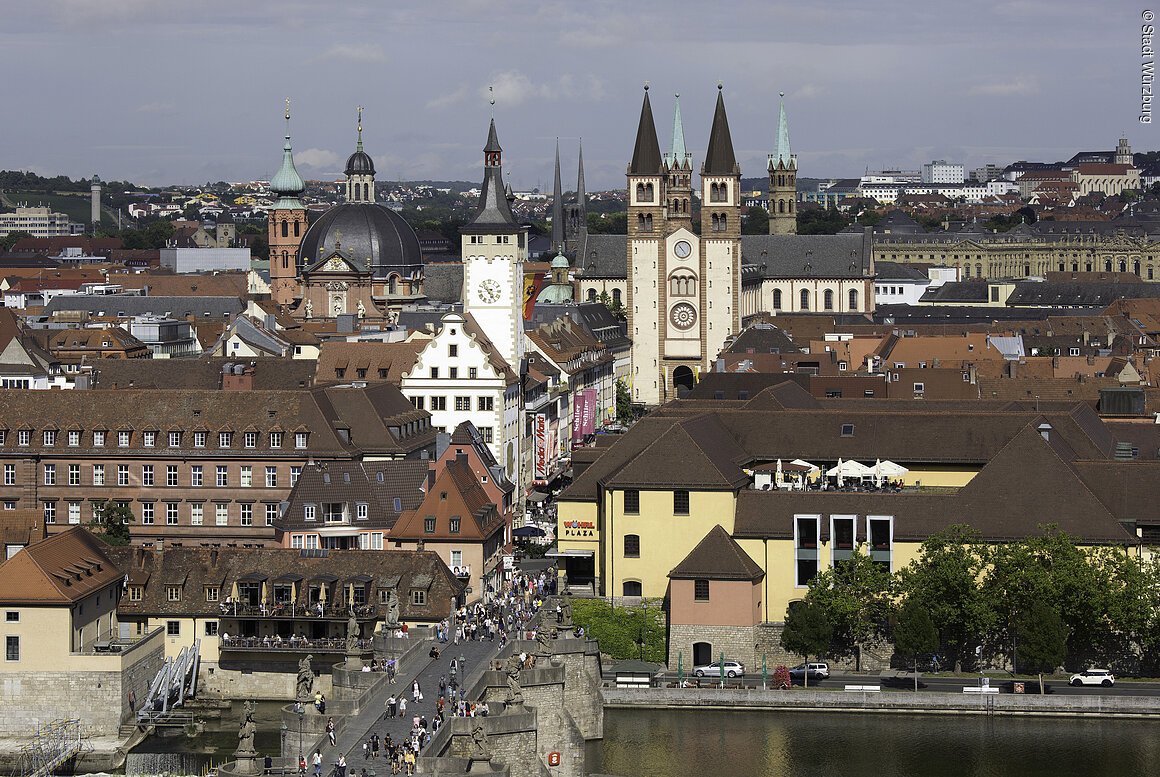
<point>369,234</point>
<point>360,163</point>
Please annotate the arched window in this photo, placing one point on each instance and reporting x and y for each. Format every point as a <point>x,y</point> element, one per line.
<point>724,222</point>
<point>791,206</point>
<point>393,285</point>
<point>633,588</point>
<point>1123,265</point>
<point>285,260</point>
<point>686,208</point>
<point>828,299</point>
<point>1150,272</point>
<point>781,206</point>
<point>716,223</point>
<point>978,271</point>
<point>285,228</point>
<point>631,546</point>
<point>805,297</point>
<point>648,192</point>
<point>1107,265</point>
<point>1026,269</point>
<point>1061,267</point>
<point>640,222</point>
<point>1136,266</point>
<point>616,296</point>
<point>640,192</point>
<point>853,299</point>
<point>777,299</point>
<point>1075,266</point>
<point>592,295</point>
<point>297,225</point>
<point>648,224</point>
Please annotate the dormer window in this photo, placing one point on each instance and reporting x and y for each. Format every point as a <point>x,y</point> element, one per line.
<point>74,439</point>
<point>149,439</point>
<point>225,439</point>
<point>300,440</point>
<point>847,430</point>
<point>173,593</point>
<point>49,438</point>
<point>123,438</point>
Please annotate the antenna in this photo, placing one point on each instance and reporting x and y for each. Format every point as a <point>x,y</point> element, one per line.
<point>491,99</point>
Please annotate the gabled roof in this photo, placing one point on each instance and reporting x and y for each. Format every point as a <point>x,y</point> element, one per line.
<point>457,493</point>
<point>719,158</point>
<point>60,570</point>
<point>717,557</point>
<point>646,155</point>
<point>696,452</point>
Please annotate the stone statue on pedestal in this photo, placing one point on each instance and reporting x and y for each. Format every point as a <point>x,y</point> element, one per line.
<point>480,748</point>
<point>544,637</point>
<point>513,667</point>
<point>352,634</point>
<point>305,680</point>
<point>247,730</point>
<point>392,609</point>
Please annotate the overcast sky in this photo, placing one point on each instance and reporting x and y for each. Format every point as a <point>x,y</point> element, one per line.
<point>165,91</point>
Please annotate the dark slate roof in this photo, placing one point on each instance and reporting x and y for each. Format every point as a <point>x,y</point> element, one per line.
<point>958,291</point>
<point>894,271</point>
<point>717,557</point>
<point>763,338</point>
<point>443,281</point>
<point>845,255</point>
<point>646,155</point>
<point>897,222</point>
<point>719,157</point>
<point>426,318</point>
<point>269,373</point>
<point>1065,293</point>
<point>739,385</point>
<point>132,305</point>
<point>901,315</point>
<point>603,256</point>
<point>372,236</point>
<point>494,212</point>
<point>360,163</point>
<point>698,452</point>
<point>196,568</point>
<point>492,144</point>
<point>375,483</point>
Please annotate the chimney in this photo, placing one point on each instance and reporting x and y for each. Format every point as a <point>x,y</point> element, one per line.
<point>430,480</point>
<point>240,378</point>
<point>1045,431</point>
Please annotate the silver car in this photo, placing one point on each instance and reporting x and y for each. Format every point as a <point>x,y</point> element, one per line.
<point>732,669</point>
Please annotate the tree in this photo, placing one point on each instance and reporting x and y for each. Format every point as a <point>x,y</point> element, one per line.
<point>856,597</point>
<point>944,580</point>
<point>807,631</point>
<point>10,239</point>
<point>111,522</point>
<point>1042,638</point>
<point>755,221</point>
<point>623,403</point>
<point>915,633</point>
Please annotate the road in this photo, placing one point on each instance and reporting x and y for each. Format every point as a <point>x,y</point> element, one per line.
<point>949,684</point>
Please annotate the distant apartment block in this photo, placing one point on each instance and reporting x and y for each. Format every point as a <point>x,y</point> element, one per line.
<point>38,222</point>
<point>185,260</point>
<point>941,171</point>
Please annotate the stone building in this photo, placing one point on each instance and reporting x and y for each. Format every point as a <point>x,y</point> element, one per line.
<point>193,466</point>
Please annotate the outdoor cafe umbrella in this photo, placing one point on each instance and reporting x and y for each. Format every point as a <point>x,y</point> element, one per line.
<point>528,531</point>
<point>777,475</point>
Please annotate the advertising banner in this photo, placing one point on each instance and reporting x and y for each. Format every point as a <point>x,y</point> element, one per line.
<point>540,433</point>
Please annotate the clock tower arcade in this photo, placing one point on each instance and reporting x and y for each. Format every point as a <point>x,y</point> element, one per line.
<point>495,248</point>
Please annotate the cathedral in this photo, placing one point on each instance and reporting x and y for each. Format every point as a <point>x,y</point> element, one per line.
<point>358,258</point>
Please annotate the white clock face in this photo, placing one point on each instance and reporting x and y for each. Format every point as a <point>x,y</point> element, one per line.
<point>682,249</point>
<point>489,291</point>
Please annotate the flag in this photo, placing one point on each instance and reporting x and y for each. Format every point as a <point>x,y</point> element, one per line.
<point>533,283</point>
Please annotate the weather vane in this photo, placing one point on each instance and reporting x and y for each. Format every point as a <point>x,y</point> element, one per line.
<point>360,120</point>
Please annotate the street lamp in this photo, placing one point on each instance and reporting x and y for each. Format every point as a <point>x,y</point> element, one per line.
<point>301,713</point>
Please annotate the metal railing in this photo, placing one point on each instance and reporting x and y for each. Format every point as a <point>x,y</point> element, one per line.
<point>291,644</point>
<point>53,745</point>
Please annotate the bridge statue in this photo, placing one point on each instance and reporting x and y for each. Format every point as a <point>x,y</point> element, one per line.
<point>247,729</point>
<point>512,667</point>
<point>352,634</point>
<point>392,608</point>
<point>305,680</point>
<point>480,748</point>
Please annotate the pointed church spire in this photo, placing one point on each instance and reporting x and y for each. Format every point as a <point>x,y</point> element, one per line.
<point>678,147</point>
<point>287,183</point>
<point>781,151</point>
<point>581,194</point>
<point>646,156</point>
<point>557,207</point>
<point>494,208</point>
<point>719,158</point>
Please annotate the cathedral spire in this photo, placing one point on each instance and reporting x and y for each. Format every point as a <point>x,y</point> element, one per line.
<point>678,148</point>
<point>581,194</point>
<point>719,158</point>
<point>557,207</point>
<point>646,156</point>
<point>782,156</point>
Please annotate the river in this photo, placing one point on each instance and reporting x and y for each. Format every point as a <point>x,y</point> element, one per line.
<point>676,743</point>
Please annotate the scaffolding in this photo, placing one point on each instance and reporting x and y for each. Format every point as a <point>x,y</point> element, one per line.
<point>54,745</point>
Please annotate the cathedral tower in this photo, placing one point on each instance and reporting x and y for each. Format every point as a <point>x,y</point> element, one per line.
<point>495,248</point>
<point>557,208</point>
<point>1123,153</point>
<point>645,241</point>
<point>782,181</point>
<point>360,171</point>
<point>286,225</point>
<point>719,292</point>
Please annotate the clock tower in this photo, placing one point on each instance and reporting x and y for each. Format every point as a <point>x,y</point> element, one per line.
<point>495,248</point>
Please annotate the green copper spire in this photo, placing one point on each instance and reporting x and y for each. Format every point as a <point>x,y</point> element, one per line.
<point>781,152</point>
<point>678,148</point>
<point>287,184</point>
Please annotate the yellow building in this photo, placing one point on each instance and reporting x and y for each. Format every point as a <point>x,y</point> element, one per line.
<point>65,656</point>
<point>636,512</point>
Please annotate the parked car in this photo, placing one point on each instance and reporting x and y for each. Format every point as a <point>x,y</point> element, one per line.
<point>1094,676</point>
<point>732,669</point>
<point>817,671</point>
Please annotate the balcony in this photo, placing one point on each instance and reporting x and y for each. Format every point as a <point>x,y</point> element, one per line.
<point>299,610</point>
<point>291,644</point>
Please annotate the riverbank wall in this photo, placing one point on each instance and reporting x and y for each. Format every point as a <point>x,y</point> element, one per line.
<point>924,703</point>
